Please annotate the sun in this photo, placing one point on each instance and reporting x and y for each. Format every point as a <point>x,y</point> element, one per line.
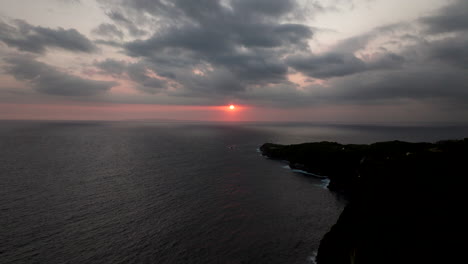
<point>232,107</point>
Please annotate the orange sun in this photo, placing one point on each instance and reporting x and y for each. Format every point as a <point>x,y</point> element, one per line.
<point>232,107</point>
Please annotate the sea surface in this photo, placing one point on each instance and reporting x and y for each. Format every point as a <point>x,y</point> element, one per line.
<point>168,192</point>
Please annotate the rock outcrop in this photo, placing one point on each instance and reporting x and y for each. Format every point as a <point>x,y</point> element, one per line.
<point>406,199</point>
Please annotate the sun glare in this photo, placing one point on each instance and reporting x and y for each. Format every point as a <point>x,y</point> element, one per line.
<point>232,107</point>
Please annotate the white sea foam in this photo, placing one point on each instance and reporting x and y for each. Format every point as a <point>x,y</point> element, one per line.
<point>311,259</point>
<point>325,183</point>
<point>308,173</point>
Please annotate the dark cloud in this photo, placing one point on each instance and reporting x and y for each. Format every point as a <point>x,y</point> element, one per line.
<point>112,67</point>
<point>341,64</point>
<point>108,31</point>
<point>263,7</point>
<point>240,44</point>
<point>120,19</point>
<point>452,18</point>
<point>434,72</point>
<point>327,65</point>
<point>360,54</point>
<point>25,37</point>
<point>111,43</point>
<point>245,49</point>
<point>423,84</point>
<point>453,51</point>
<point>140,73</point>
<point>209,51</point>
<point>47,79</point>
<point>426,83</point>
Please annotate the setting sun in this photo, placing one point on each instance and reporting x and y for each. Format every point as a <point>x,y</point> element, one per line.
<point>232,107</point>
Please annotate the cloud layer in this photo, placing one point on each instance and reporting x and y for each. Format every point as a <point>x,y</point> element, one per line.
<point>46,79</point>
<point>255,52</point>
<point>25,37</point>
<point>241,46</point>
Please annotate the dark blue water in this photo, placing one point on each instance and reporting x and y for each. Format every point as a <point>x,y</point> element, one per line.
<point>116,192</point>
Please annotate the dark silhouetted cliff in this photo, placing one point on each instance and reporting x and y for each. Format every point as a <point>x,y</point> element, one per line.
<point>406,199</point>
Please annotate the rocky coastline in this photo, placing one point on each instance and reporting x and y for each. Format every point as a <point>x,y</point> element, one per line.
<point>405,199</point>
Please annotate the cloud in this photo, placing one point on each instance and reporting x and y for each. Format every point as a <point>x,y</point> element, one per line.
<point>112,67</point>
<point>236,45</point>
<point>140,73</point>
<point>251,51</point>
<point>108,31</point>
<point>25,37</point>
<point>422,83</point>
<point>328,65</point>
<point>332,64</point>
<point>451,18</point>
<point>452,51</point>
<point>70,1</point>
<point>48,80</point>
<point>120,19</point>
<point>247,49</point>
<point>263,7</point>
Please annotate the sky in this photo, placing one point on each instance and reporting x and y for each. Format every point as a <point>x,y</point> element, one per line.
<point>352,61</point>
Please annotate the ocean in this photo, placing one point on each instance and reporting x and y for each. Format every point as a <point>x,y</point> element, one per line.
<point>168,192</point>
